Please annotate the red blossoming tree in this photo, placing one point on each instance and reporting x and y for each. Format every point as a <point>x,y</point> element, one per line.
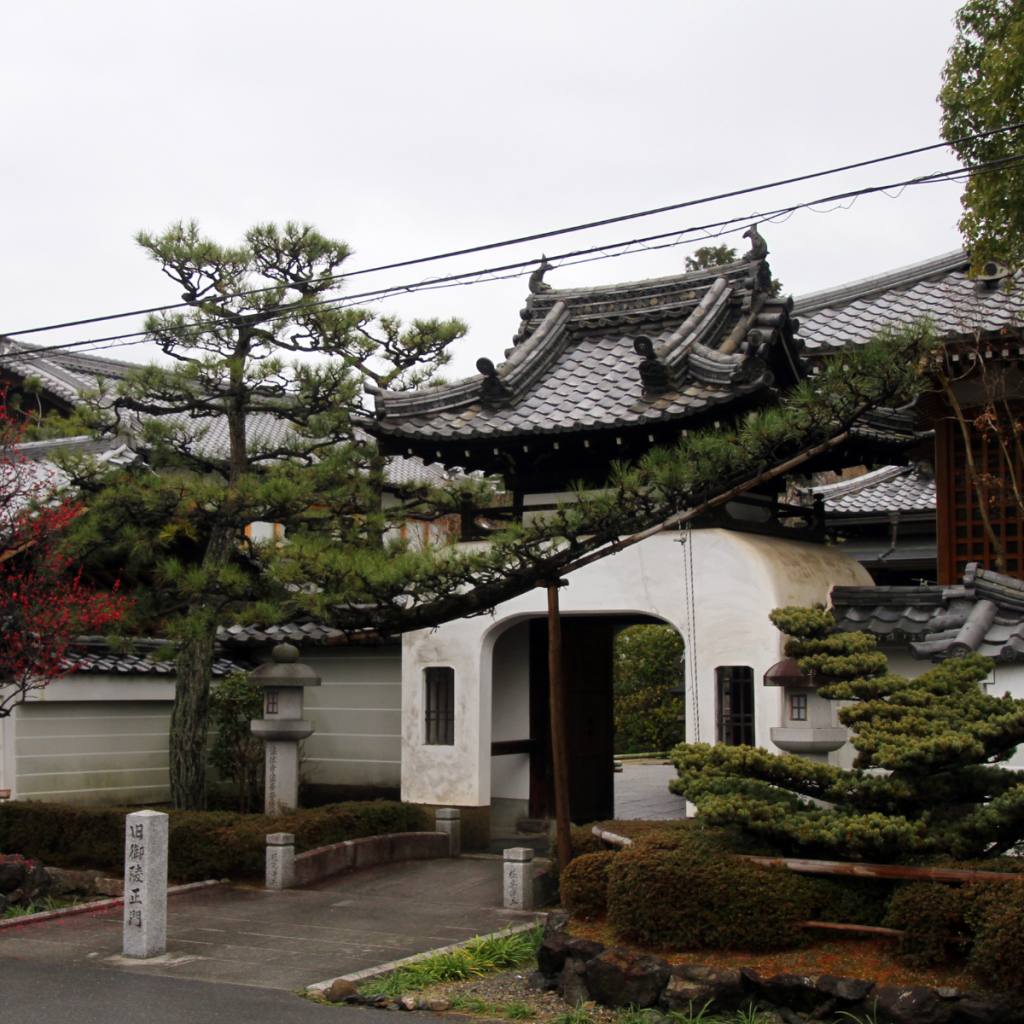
<point>44,603</point>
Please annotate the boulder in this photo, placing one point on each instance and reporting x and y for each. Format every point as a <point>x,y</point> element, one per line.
<point>694,987</point>
<point>572,984</point>
<point>340,990</point>
<point>22,880</point>
<point>551,954</point>
<point>619,978</point>
<point>974,1009</point>
<point>844,990</point>
<point>794,991</point>
<point>916,1004</point>
<point>540,982</point>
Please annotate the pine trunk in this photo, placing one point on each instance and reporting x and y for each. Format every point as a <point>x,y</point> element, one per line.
<point>190,721</point>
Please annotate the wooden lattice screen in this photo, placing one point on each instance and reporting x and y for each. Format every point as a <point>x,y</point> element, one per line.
<point>962,537</point>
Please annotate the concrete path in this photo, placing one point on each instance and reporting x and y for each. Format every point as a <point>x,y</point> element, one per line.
<point>287,940</point>
<point>641,791</point>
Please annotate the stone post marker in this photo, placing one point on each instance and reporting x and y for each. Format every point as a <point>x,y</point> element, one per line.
<point>447,820</point>
<point>282,725</point>
<point>280,860</point>
<point>145,885</point>
<point>519,878</point>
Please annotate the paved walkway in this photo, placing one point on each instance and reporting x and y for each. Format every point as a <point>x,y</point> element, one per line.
<point>641,791</point>
<point>288,940</point>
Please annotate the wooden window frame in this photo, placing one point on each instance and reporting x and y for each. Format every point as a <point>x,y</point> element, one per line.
<point>439,706</point>
<point>734,697</point>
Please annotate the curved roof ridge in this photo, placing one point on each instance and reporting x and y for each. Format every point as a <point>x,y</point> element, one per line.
<point>708,274</point>
<point>844,294</point>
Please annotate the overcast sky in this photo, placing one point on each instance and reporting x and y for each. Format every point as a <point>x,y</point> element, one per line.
<point>410,128</point>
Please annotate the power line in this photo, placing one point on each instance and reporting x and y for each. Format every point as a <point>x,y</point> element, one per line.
<point>576,257</point>
<point>544,234</point>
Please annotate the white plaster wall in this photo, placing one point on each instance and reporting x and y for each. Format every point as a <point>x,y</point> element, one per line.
<point>738,579</point>
<point>510,711</point>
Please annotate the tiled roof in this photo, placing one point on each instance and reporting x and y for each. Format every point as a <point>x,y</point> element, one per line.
<point>98,658</point>
<point>936,288</point>
<point>290,632</point>
<point>889,489</point>
<point>574,365</point>
<point>985,613</point>
<point>66,374</point>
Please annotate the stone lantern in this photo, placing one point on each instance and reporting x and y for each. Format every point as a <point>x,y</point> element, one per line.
<point>282,726</point>
<point>810,727</point>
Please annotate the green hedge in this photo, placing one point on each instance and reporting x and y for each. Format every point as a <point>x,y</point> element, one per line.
<point>584,883</point>
<point>202,845</point>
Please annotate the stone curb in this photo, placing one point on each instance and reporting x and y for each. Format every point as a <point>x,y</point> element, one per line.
<point>393,965</point>
<point>88,908</point>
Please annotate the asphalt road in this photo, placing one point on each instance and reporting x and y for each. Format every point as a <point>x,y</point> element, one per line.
<point>47,993</point>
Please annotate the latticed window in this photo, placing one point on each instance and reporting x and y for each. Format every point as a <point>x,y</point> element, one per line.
<point>270,707</point>
<point>440,702</point>
<point>798,707</point>
<point>965,537</point>
<point>735,705</point>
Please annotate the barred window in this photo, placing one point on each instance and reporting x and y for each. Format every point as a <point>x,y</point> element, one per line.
<point>440,685</point>
<point>271,704</point>
<point>798,707</point>
<point>735,705</point>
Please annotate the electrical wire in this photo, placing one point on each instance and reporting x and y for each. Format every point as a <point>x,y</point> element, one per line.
<point>538,236</point>
<point>573,258</point>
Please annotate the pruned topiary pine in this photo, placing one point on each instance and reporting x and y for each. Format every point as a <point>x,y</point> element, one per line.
<point>926,779</point>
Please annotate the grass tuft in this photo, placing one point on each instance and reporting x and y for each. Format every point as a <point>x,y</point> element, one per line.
<point>485,954</point>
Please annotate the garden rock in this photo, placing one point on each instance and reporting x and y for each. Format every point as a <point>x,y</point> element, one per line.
<point>845,990</point>
<point>340,990</point>
<point>552,952</point>
<point>791,1016</point>
<point>540,982</point>
<point>619,978</point>
<point>917,1004</point>
<point>64,882</point>
<point>572,985</point>
<point>555,922</point>
<point>976,1010</point>
<point>438,1005</point>
<point>21,879</point>
<point>794,991</point>
<point>692,986</point>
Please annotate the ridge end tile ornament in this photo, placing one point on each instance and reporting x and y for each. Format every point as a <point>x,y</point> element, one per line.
<point>282,726</point>
<point>654,374</point>
<point>493,390</point>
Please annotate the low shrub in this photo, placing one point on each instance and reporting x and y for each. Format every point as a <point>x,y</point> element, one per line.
<point>210,844</point>
<point>584,883</point>
<point>687,896</point>
<point>934,915</point>
<point>848,900</point>
<point>996,915</point>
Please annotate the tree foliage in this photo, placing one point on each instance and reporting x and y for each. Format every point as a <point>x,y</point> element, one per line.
<point>983,90</point>
<point>648,663</point>
<point>44,603</point>
<point>236,753</point>
<point>925,780</point>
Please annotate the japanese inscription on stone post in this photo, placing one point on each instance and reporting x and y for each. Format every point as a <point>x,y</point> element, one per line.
<point>145,884</point>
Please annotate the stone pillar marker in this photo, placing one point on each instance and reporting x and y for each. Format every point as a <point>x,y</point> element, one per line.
<point>447,820</point>
<point>280,860</point>
<point>519,878</point>
<point>145,885</point>
<point>282,726</point>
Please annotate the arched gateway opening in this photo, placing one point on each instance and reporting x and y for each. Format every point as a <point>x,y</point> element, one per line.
<point>522,771</point>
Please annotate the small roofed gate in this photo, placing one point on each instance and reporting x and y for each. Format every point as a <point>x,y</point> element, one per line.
<point>587,645</point>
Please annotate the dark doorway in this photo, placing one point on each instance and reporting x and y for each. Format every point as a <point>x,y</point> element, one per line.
<point>587,645</point>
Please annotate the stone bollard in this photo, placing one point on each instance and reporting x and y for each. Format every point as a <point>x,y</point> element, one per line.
<point>280,860</point>
<point>145,885</point>
<point>519,878</point>
<point>446,819</point>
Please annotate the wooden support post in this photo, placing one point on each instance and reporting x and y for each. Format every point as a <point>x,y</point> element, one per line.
<point>559,754</point>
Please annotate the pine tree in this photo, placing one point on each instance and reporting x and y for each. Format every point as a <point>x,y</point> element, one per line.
<point>233,434</point>
<point>926,779</point>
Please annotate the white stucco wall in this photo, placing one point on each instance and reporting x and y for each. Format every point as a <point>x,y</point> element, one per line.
<point>738,579</point>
